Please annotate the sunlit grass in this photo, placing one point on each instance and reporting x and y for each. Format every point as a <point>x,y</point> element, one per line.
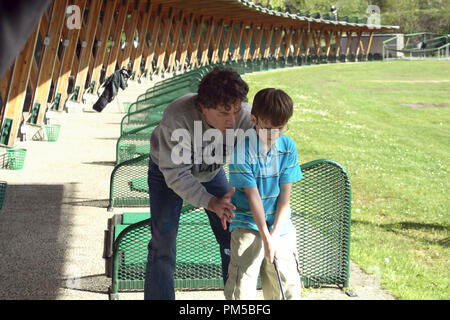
<point>398,159</point>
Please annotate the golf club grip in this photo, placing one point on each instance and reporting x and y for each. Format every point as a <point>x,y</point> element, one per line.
<point>275,263</point>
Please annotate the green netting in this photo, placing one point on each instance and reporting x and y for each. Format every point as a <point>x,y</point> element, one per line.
<point>142,118</point>
<point>198,255</point>
<point>321,206</point>
<point>134,143</point>
<point>122,192</point>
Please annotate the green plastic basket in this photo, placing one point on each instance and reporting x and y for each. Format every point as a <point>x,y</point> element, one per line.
<point>52,132</point>
<point>16,158</point>
<point>3,185</point>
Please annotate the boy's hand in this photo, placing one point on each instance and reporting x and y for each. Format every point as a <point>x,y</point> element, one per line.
<point>270,248</point>
<point>222,207</point>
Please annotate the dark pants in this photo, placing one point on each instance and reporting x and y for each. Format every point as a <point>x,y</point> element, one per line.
<point>165,208</point>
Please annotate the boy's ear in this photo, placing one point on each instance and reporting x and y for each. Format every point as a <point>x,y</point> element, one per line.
<point>253,119</point>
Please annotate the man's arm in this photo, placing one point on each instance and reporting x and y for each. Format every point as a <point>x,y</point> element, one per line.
<point>179,178</point>
<point>256,206</point>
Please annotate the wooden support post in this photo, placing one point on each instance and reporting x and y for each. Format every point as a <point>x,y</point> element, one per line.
<point>51,43</point>
<point>278,38</point>
<point>154,40</point>
<point>369,45</point>
<point>308,43</point>
<point>187,41</point>
<point>67,61</point>
<point>237,41</point>
<point>328,35</point>
<point>4,89</point>
<point>113,54</point>
<point>348,44</point>
<point>338,43</point>
<point>147,15</point>
<point>215,43</point>
<point>359,45</point>
<point>205,43</point>
<point>288,41</point>
<point>165,40</point>
<point>226,42</point>
<point>108,17</point>
<point>268,34</point>
<point>87,43</point>
<point>130,36</point>
<point>298,43</point>
<point>248,35</point>
<point>193,61</point>
<point>172,48</point>
<point>258,40</point>
<point>316,39</point>
<point>18,85</point>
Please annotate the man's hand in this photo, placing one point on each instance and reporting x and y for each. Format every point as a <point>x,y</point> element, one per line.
<point>222,207</point>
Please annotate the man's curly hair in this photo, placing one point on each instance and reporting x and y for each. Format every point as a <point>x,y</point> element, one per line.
<point>221,86</point>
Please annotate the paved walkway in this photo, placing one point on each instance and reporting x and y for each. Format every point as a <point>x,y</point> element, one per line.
<point>55,213</point>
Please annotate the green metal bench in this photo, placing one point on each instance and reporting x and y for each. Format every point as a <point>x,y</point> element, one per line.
<point>126,183</point>
<point>321,213</point>
<point>141,118</point>
<point>134,143</point>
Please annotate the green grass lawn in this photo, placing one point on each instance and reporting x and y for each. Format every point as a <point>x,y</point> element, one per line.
<point>397,157</point>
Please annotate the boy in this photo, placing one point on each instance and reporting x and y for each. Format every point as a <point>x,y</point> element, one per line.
<point>262,170</point>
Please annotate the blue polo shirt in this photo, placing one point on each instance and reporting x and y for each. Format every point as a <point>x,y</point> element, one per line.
<point>249,166</point>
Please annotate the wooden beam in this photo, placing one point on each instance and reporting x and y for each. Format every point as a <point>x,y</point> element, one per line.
<point>338,43</point>
<point>48,60</point>
<point>108,17</point>
<point>216,41</point>
<point>87,43</point>
<point>146,16</point>
<point>4,89</point>
<point>198,33</point>
<point>154,40</point>
<point>67,61</point>
<point>288,42</point>
<point>268,34</point>
<point>348,44</point>
<point>278,38</point>
<point>237,41</point>
<point>226,42</point>
<point>172,48</point>
<point>130,36</point>
<point>187,41</point>
<point>248,35</point>
<point>18,85</point>
<point>369,45</point>
<point>206,42</point>
<point>113,54</point>
<point>165,40</point>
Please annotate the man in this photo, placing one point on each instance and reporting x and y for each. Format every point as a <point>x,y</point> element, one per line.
<point>183,171</point>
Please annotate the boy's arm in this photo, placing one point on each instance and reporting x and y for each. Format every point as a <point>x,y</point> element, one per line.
<point>256,206</point>
<point>282,207</point>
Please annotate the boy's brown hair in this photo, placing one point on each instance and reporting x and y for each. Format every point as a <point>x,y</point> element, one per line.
<point>273,105</point>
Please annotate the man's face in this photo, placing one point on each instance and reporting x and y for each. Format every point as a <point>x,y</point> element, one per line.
<point>221,118</point>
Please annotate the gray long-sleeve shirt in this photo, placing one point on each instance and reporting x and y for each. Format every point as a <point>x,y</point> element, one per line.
<point>172,145</point>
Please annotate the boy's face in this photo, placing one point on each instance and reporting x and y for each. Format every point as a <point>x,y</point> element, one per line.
<point>267,133</point>
<point>221,118</point>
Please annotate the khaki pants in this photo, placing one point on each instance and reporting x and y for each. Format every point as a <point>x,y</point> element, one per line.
<point>248,261</point>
